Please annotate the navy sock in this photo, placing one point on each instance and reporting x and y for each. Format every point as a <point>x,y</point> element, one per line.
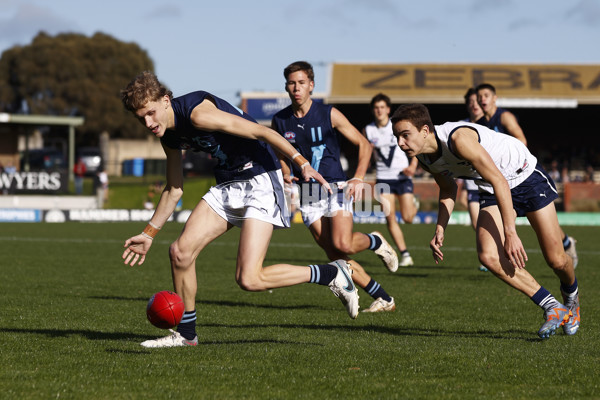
<point>376,291</point>
<point>566,242</point>
<point>187,326</point>
<point>404,253</point>
<point>322,274</point>
<point>569,289</point>
<point>375,241</point>
<point>544,299</point>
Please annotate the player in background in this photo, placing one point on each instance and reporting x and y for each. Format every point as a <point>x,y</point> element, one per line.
<point>248,194</point>
<point>503,121</point>
<point>394,170</point>
<point>313,129</point>
<point>470,195</point>
<point>511,184</point>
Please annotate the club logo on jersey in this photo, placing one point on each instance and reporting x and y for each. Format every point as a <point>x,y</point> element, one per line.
<point>290,136</point>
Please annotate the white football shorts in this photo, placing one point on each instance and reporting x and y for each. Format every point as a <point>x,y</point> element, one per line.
<point>260,197</point>
<point>327,207</point>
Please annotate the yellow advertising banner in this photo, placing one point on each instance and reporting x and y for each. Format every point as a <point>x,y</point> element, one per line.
<point>447,83</point>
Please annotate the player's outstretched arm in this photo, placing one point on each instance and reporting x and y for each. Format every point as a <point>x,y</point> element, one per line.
<point>136,247</point>
<point>207,116</point>
<point>468,147</point>
<point>447,198</point>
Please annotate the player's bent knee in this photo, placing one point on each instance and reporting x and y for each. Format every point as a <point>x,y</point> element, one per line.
<point>558,261</point>
<point>343,246</point>
<point>250,284</point>
<point>489,259</point>
<point>179,257</point>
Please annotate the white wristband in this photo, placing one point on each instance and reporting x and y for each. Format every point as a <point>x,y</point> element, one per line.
<point>304,165</point>
<point>152,225</point>
<point>148,236</point>
<point>296,154</point>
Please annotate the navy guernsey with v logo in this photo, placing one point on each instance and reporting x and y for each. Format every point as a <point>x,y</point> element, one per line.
<point>237,158</point>
<point>315,138</point>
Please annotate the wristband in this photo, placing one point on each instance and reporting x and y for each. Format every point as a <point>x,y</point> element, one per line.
<point>356,178</point>
<point>150,230</point>
<point>296,154</point>
<point>304,165</point>
<point>154,226</point>
<point>148,236</point>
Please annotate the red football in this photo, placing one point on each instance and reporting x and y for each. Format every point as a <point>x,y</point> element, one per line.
<point>165,309</point>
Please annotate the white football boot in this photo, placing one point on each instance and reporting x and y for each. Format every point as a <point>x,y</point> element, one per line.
<point>173,340</point>
<point>386,253</point>
<point>343,287</point>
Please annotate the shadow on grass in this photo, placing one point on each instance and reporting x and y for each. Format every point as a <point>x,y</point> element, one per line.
<point>258,341</point>
<point>509,334</point>
<point>223,303</point>
<point>86,333</point>
<point>226,303</point>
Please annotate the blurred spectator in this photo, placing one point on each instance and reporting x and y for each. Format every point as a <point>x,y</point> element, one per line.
<point>101,186</point>
<point>565,175</point>
<point>589,174</point>
<point>554,172</point>
<point>79,169</point>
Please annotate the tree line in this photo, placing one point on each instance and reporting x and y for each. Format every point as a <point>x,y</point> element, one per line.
<point>73,75</point>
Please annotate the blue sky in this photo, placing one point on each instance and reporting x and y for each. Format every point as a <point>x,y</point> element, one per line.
<point>226,47</point>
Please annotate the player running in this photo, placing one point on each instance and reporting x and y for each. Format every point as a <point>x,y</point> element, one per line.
<point>313,129</point>
<point>249,194</point>
<point>511,183</point>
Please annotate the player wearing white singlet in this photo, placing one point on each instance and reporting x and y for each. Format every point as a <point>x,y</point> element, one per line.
<point>393,174</point>
<point>510,156</point>
<point>511,184</point>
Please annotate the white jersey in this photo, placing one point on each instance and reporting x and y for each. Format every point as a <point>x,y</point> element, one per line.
<point>390,159</point>
<point>510,155</point>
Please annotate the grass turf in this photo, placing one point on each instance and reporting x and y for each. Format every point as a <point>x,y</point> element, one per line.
<point>73,315</point>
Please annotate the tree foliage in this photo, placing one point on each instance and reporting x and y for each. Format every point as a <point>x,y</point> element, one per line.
<point>74,75</point>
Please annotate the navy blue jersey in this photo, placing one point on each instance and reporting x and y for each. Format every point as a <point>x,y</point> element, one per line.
<point>237,158</point>
<point>494,123</point>
<point>314,137</point>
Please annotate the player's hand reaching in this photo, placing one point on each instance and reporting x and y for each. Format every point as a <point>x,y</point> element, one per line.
<point>136,249</point>
<point>514,250</point>
<point>354,189</point>
<point>309,173</point>
<point>436,243</point>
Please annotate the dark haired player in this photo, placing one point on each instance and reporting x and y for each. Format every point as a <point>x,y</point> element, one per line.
<point>511,184</point>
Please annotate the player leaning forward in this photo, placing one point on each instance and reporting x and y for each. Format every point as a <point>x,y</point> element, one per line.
<point>510,180</point>
<point>249,194</point>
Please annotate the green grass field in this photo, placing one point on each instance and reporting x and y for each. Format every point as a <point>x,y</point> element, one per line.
<point>73,315</point>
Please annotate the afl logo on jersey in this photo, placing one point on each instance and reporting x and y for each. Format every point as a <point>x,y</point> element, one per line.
<point>290,136</point>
